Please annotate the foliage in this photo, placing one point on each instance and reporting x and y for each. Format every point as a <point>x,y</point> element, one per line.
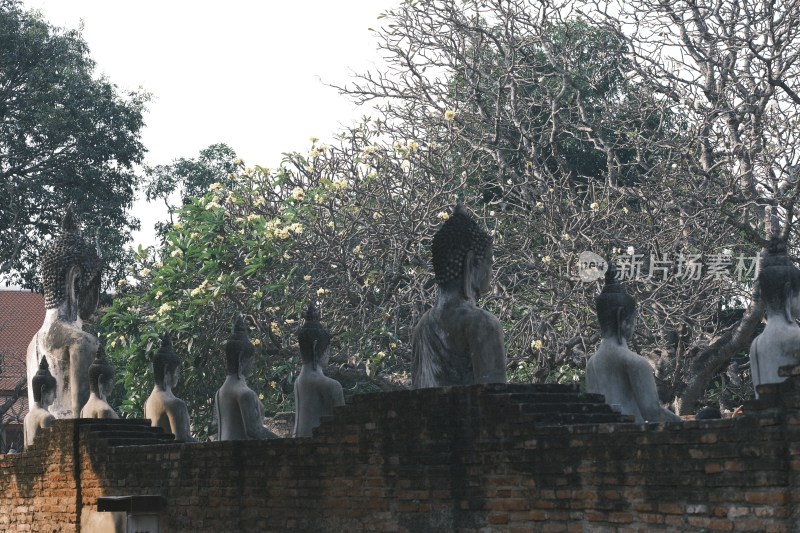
<point>346,225</point>
<point>651,126</point>
<point>65,136</point>
<point>189,178</point>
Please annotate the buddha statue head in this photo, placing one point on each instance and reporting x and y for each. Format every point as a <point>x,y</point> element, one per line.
<point>71,272</point>
<point>166,364</point>
<point>779,280</point>
<point>101,374</point>
<point>462,255</point>
<point>239,351</point>
<point>616,309</point>
<point>44,384</point>
<point>313,338</point>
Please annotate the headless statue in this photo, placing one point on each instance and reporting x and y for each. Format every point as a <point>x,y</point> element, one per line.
<point>239,412</point>
<point>456,342</point>
<point>162,408</point>
<point>779,344</point>
<point>70,272</point>
<point>624,377</point>
<point>315,394</point>
<point>44,393</point>
<point>101,383</point>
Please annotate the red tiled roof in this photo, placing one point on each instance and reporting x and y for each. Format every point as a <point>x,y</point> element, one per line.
<point>21,316</point>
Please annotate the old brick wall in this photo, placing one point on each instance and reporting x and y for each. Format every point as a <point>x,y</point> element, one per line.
<point>466,459</point>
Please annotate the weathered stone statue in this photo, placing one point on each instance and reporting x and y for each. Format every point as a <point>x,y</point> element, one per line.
<point>70,272</point>
<point>162,408</point>
<point>779,344</point>
<point>101,383</point>
<point>621,375</point>
<point>239,412</point>
<point>456,342</point>
<point>315,394</point>
<point>44,392</point>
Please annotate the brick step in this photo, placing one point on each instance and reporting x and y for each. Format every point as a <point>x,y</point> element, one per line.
<point>567,408</point>
<point>557,398</point>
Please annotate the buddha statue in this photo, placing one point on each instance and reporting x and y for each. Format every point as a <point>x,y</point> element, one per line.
<point>315,394</point>
<point>239,412</point>
<point>456,342</point>
<point>70,273</point>
<point>162,408</point>
<point>624,377</point>
<point>44,393</point>
<point>101,383</point>
<point>779,344</point>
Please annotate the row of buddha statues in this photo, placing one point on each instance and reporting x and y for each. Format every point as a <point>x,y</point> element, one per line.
<point>454,343</point>
<point>238,410</point>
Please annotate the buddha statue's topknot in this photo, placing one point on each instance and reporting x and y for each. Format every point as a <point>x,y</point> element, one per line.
<point>777,269</point>
<point>100,368</point>
<point>459,235</point>
<point>613,304</point>
<point>312,337</point>
<point>165,360</point>
<point>238,346</point>
<point>42,380</point>
<point>65,251</point>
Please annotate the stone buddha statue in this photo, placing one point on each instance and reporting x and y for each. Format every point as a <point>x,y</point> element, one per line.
<point>456,342</point>
<point>239,412</point>
<point>315,394</point>
<point>779,344</point>
<point>44,392</point>
<point>162,408</point>
<point>624,377</point>
<point>101,383</point>
<point>70,273</point>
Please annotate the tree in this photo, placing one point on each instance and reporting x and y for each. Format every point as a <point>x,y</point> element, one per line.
<point>345,225</point>
<point>189,178</point>
<point>685,113</point>
<point>65,136</point>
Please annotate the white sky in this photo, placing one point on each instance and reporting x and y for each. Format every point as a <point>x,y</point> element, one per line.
<point>247,73</point>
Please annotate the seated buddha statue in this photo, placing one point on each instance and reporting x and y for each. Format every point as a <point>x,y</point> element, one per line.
<point>44,392</point>
<point>315,394</point>
<point>456,342</point>
<point>162,408</point>
<point>70,271</point>
<point>779,344</point>
<point>239,412</point>
<point>101,383</point>
<point>624,377</point>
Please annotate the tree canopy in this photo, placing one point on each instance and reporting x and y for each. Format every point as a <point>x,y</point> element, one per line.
<point>66,136</point>
<point>661,137</point>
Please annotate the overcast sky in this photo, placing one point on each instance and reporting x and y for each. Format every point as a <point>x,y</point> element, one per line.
<point>251,74</point>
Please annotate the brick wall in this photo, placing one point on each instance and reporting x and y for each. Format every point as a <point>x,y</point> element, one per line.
<point>467,459</point>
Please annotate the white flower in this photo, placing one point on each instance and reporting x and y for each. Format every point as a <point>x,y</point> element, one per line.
<point>253,217</point>
<point>321,292</point>
<point>166,307</point>
<point>595,206</point>
<point>176,253</point>
<point>405,165</point>
<point>298,193</point>
<point>159,294</point>
<point>296,228</point>
<point>158,264</point>
<point>307,278</point>
<point>565,237</point>
<point>212,205</point>
<point>413,146</point>
<point>630,250</point>
<point>536,345</point>
<point>144,272</point>
<point>443,215</point>
<point>339,184</point>
<point>215,187</point>
<point>547,260</point>
<point>449,115</point>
